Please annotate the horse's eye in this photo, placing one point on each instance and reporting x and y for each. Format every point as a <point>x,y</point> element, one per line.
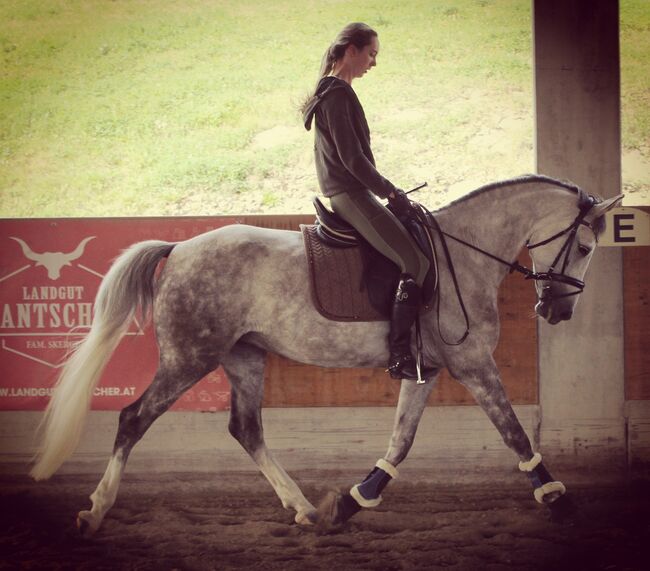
<point>584,250</point>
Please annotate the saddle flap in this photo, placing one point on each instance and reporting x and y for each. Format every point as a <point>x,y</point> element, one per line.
<point>335,278</point>
<point>352,283</point>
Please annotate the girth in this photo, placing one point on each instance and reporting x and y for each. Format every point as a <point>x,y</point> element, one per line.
<point>377,277</point>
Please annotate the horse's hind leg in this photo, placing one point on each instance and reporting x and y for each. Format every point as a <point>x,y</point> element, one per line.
<point>168,385</point>
<point>244,366</point>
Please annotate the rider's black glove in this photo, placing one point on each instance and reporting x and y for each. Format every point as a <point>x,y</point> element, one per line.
<point>400,203</point>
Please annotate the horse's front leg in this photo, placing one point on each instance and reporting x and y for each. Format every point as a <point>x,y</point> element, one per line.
<point>338,508</point>
<point>485,385</point>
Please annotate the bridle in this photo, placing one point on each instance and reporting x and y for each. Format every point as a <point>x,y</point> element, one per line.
<point>424,217</point>
<point>562,257</point>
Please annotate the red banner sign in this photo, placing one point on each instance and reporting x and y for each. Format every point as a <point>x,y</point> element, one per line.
<point>50,270</point>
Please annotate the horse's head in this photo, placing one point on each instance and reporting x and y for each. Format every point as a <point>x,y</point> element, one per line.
<point>561,256</point>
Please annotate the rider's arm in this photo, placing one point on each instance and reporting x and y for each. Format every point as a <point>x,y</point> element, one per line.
<point>339,112</point>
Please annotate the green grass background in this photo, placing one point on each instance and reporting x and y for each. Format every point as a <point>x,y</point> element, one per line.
<point>112,108</point>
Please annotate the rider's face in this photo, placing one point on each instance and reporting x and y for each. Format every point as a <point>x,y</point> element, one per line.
<point>365,58</point>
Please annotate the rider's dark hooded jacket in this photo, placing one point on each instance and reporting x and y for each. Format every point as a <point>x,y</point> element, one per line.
<point>344,161</point>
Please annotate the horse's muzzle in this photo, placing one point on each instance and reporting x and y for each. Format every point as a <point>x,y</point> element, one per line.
<point>553,312</point>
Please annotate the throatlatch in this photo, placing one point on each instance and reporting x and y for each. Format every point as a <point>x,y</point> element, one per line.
<point>368,493</point>
<point>541,479</point>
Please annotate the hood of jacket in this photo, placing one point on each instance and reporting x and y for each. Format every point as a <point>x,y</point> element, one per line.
<point>325,86</point>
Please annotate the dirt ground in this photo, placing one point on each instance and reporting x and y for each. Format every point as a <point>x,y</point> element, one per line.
<point>194,521</point>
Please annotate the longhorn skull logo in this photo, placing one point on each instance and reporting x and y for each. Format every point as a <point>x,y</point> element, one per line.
<point>53,261</point>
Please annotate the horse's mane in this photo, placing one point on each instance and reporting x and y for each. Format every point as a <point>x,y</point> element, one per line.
<point>524,179</point>
<point>584,198</point>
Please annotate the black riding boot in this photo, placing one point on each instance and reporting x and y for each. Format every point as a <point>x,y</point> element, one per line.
<point>406,305</point>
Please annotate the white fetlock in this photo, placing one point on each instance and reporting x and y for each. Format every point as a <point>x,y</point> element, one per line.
<point>531,464</point>
<point>363,502</point>
<point>549,488</point>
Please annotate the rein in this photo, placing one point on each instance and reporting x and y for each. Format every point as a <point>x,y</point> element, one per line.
<point>425,218</point>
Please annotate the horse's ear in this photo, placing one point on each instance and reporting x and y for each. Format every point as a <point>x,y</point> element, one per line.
<point>599,209</point>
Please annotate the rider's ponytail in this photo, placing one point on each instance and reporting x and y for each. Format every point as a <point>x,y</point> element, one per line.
<point>356,34</point>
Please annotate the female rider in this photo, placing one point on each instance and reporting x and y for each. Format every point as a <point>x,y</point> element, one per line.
<point>347,176</point>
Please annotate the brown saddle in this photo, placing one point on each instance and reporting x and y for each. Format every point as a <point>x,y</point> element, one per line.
<point>349,279</point>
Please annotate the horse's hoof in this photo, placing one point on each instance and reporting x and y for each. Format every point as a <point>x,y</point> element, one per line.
<point>562,510</point>
<point>306,518</point>
<point>336,509</point>
<point>86,524</point>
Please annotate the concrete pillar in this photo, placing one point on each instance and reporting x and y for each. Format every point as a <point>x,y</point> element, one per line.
<point>581,362</point>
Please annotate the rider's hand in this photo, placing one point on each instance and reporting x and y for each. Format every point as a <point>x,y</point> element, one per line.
<point>399,203</point>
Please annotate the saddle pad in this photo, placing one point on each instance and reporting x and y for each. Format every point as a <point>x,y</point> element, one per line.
<point>335,280</point>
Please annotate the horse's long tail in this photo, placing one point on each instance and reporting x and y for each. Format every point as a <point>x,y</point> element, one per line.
<point>127,286</point>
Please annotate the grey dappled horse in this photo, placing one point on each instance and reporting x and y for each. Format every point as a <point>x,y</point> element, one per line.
<point>230,296</point>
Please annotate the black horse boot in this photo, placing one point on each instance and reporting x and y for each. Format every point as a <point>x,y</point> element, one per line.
<point>401,364</point>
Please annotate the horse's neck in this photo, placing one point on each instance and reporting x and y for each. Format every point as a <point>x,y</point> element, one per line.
<point>500,220</point>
